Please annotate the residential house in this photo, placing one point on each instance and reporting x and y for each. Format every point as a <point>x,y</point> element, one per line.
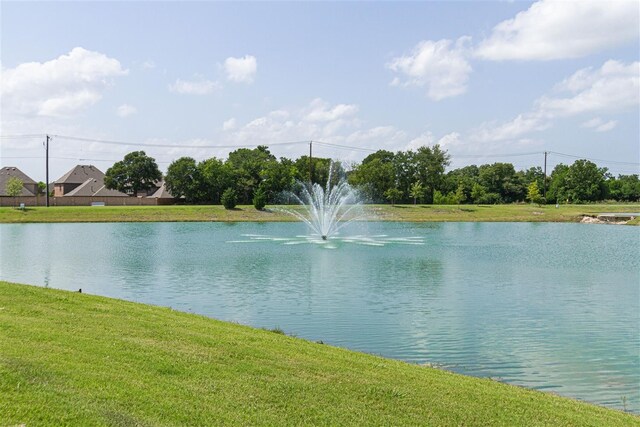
<point>30,187</point>
<point>79,175</point>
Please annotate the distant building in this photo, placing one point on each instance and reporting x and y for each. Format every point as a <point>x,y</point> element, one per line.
<point>76,177</point>
<point>161,193</point>
<point>30,187</point>
<point>94,187</point>
<point>88,181</point>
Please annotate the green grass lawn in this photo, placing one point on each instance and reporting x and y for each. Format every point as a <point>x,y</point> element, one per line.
<point>75,359</point>
<point>416,213</point>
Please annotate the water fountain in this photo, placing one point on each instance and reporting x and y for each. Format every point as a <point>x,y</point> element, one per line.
<point>326,210</point>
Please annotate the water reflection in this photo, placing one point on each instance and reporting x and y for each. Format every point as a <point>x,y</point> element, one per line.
<point>549,306</point>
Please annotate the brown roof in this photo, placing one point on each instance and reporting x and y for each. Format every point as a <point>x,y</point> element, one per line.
<point>161,193</point>
<point>10,172</point>
<point>106,192</point>
<point>80,174</point>
<point>94,187</point>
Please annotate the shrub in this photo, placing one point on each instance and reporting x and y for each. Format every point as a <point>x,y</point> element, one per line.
<point>229,198</point>
<point>259,199</point>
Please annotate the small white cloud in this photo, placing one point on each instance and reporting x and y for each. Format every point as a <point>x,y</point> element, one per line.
<point>450,140</point>
<point>148,65</point>
<point>520,125</point>
<point>600,125</point>
<point>241,70</point>
<point>194,87</point>
<point>426,139</point>
<point>562,29</point>
<point>439,66</point>
<point>126,110</point>
<point>229,124</point>
<point>321,111</point>
<point>613,87</point>
<point>61,87</point>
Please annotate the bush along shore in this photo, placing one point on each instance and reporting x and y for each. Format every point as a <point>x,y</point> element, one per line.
<point>68,358</point>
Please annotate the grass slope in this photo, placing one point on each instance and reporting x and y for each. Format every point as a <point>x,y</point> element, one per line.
<point>415,213</point>
<point>75,359</point>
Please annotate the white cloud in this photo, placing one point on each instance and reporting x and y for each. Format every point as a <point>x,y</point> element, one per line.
<point>439,66</point>
<point>241,70</point>
<point>613,87</point>
<point>148,65</point>
<point>229,124</point>
<point>317,121</point>
<point>600,125</point>
<point>321,111</point>
<point>61,87</point>
<point>194,87</point>
<point>422,140</point>
<point>126,110</point>
<point>562,29</point>
<point>519,126</point>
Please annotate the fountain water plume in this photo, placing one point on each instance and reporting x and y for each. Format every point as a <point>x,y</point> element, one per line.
<point>328,209</point>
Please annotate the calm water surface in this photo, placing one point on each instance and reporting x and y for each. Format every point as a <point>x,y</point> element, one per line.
<point>554,307</point>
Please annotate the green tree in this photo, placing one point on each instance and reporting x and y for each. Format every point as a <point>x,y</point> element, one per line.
<point>13,188</point>
<point>229,198</point>
<point>247,165</point>
<point>320,168</point>
<point>184,179</point>
<point>430,163</point>
<point>461,194</point>
<point>405,169</point>
<point>278,177</point>
<point>216,177</point>
<point>558,185</point>
<point>136,172</point>
<point>585,182</point>
<point>533,193</point>
<point>416,191</point>
<point>373,178</point>
<point>42,187</point>
<point>502,180</point>
<point>393,194</point>
<point>626,188</point>
<point>259,199</point>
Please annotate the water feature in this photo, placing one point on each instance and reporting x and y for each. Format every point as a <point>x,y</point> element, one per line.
<point>554,307</point>
<point>328,209</point>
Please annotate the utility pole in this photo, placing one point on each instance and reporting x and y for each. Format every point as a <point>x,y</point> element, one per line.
<point>544,183</point>
<point>310,163</point>
<point>46,190</point>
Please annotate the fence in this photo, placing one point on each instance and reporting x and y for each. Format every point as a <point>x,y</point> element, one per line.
<point>83,201</point>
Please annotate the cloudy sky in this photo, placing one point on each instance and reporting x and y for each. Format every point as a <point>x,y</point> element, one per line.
<point>488,81</point>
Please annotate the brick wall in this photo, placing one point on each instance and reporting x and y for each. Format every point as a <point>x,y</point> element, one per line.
<point>83,201</point>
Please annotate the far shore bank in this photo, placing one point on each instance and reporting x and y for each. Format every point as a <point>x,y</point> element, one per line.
<point>401,213</point>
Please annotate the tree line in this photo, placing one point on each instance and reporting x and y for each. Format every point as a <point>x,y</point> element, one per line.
<point>415,176</point>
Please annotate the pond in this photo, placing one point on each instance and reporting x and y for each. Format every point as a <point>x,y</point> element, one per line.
<point>554,307</point>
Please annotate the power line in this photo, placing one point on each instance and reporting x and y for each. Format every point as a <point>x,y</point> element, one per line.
<point>615,162</point>
<point>138,144</point>
<point>320,143</point>
<point>347,147</point>
<point>35,135</point>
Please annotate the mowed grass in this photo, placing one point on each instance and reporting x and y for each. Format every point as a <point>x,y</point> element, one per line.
<point>413,213</point>
<point>75,359</point>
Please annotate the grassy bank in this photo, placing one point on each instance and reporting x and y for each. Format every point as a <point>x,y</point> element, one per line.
<point>415,213</point>
<point>75,359</point>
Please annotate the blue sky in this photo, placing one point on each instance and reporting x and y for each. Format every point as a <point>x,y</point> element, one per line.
<point>480,78</point>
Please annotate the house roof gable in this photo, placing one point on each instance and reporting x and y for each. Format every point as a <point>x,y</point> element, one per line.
<point>80,174</point>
